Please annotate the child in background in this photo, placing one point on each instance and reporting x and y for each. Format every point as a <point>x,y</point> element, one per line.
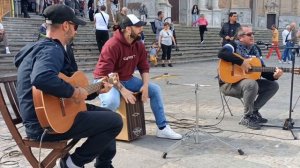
<point>153,53</point>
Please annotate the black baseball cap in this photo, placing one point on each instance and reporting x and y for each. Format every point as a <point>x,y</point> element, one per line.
<point>131,20</point>
<point>58,14</point>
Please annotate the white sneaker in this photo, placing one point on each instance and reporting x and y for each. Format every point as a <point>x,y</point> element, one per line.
<point>168,133</point>
<point>7,50</point>
<point>290,62</point>
<point>202,42</point>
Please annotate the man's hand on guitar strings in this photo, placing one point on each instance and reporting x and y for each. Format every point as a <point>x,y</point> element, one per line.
<point>79,94</point>
<point>246,66</point>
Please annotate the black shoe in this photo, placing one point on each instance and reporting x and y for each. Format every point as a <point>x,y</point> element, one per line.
<point>250,122</point>
<point>163,65</point>
<point>259,118</point>
<point>170,65</point>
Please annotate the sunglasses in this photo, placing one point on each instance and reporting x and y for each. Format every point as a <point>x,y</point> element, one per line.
<point>249,34</point>
<point>75,25</point>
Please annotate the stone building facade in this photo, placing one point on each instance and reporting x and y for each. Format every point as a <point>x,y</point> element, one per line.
<point>258,13</point>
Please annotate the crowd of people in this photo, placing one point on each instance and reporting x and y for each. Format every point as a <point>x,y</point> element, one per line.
<point>124,53</point>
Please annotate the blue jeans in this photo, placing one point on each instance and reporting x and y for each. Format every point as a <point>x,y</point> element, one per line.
<point>111,99</point>
<point>194,17</point>
<point>287,52</point>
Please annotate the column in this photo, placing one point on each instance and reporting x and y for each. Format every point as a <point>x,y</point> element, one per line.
<point>202,4</point>
<point>215,4</point>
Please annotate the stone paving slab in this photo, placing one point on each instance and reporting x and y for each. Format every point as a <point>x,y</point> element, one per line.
<point>266,148</point>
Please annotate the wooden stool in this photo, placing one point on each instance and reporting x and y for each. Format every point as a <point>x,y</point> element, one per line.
<point>133,119</point>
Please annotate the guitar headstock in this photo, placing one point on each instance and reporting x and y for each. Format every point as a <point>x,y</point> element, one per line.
<point>113,78</point>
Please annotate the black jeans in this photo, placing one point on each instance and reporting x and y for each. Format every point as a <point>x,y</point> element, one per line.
<point>101,37</point>
<point>166,52</point>
<point>202,29</point>
<point>100,126</point>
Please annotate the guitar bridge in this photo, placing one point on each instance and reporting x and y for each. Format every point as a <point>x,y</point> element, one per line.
<point>62,106</point>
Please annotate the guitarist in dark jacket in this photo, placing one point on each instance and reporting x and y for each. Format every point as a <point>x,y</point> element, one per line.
<point>38,65</point>
<point>255,93</point>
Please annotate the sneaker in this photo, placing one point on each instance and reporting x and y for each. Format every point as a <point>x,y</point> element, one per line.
<point>7,50</point>
<point>202,42</point>
<point>163,65</point>
<point>250,122</point>
<point>290,62</point>
<point>259,118</point>
<point>168,133</point>
<point>170,65</point>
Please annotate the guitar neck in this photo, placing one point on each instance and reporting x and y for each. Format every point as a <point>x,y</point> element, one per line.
<point>268,69</point>
<point>94,87</point>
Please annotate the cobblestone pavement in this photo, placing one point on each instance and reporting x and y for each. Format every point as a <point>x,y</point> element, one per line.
<point>268,147</point>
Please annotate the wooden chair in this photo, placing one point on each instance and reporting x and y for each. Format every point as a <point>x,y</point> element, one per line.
<point>9,108</point>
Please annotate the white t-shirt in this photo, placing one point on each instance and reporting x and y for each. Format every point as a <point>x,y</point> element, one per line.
<point>166,37</point>
<point>284,34</point>
<point>100,23</point>
<point>1,26</point>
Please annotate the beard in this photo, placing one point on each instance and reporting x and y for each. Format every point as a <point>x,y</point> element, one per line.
<point>135,36</point>
<point>69,37</point>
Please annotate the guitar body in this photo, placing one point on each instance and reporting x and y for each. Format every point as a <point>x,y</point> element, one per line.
<point>232,73</point>
<point>58,114</point>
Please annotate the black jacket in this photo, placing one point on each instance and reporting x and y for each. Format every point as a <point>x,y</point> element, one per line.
<point>228,30</point>
<point>38,65</point>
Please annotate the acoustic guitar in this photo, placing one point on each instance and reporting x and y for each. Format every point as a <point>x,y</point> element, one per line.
<point>58,114</point>
<point>232,73</point>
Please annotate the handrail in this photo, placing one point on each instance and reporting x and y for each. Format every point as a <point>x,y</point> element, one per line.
<point>5,7</point>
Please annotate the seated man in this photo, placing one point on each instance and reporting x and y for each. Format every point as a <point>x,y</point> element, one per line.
<point>39,65</point>
<point>3,38</point>
<point>123,53</point>
<point>255,93</point>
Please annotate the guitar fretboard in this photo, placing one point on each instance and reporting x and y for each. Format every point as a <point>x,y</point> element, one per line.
<point>94,87</point>
<point>268,69</point>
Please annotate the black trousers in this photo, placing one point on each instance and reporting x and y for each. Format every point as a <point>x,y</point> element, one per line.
<point>202,29</point>
<point>101,37</point>
<point>166,52</point>
<point>100,126</point>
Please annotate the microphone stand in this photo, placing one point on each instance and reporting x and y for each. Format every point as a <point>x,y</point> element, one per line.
<point>289,123</point>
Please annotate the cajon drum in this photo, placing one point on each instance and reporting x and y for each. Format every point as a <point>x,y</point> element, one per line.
<point>133,119</point>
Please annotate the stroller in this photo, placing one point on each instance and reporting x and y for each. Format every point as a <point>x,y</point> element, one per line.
<point>172,28</point>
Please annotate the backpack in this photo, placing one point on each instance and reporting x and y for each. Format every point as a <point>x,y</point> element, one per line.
<point>153,27</point>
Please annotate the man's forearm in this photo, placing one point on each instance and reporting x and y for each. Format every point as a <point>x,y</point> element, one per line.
<point>145,78</point>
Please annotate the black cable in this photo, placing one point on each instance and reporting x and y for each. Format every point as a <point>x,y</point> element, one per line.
<point>210,127</point>
<point>13,153</point>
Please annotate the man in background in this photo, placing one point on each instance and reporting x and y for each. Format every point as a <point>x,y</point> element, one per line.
<point>229,29</point>
<point>3,38</point>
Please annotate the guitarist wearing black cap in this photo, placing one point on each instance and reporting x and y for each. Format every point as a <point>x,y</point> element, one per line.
<point>39,65</point>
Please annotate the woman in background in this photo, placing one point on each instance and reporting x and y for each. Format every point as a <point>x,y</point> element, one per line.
<point>195,13</point>
<point>202,23</point>
<point>165,43</point>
